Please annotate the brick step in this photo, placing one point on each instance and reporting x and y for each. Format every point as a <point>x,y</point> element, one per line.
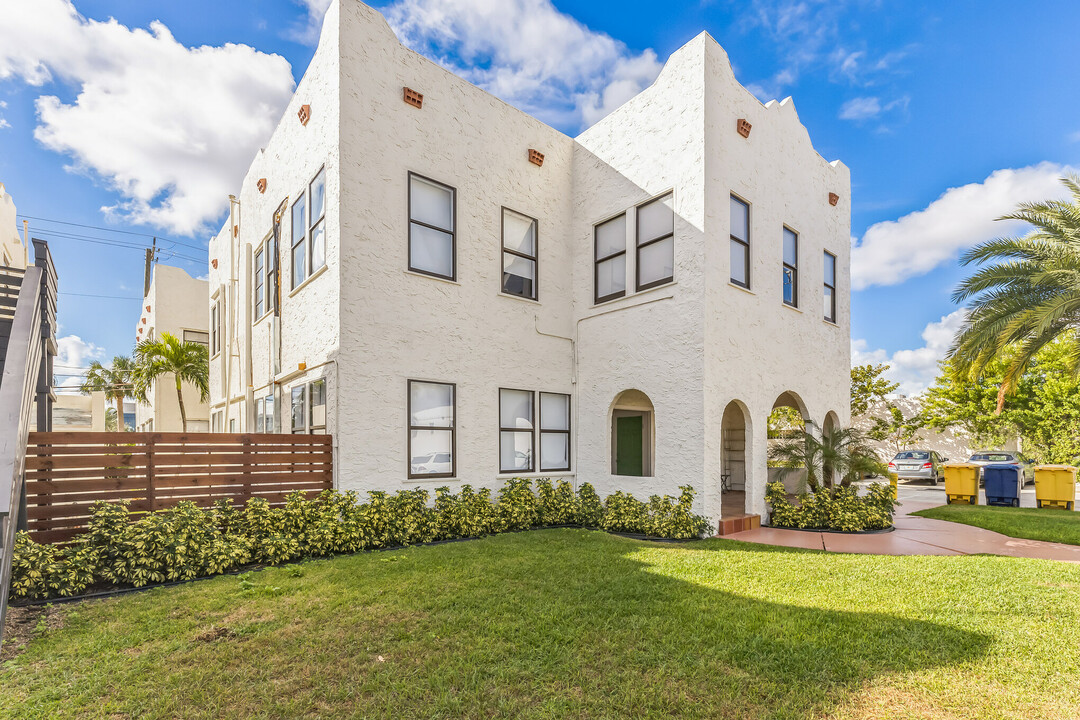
<point>737,523</point>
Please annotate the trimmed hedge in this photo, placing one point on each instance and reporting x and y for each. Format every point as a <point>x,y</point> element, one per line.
<point>844,509</point>
<point>187,542</point>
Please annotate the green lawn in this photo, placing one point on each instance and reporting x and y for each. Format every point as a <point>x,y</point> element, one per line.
<point>574,624</point>
<point>1061,526</point>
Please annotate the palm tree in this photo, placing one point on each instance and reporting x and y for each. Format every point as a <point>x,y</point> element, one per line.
<point>114,381</point>
<point>843,452</point>
<point>1028,297</point>
<point>186,361</point>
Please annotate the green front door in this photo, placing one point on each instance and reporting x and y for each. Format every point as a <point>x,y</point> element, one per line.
<point>629,452</point>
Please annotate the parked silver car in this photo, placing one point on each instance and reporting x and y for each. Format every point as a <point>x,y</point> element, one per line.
<point>918,465</point>
<point>1004,457</point>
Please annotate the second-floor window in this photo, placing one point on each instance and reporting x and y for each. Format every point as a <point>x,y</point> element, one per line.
<point>655,243</point>
<point>740,242</point>
<point>258,283</point>
<point>519,265</point>
<point>830,287</point>
<point>609,238</point>
<point>309,230</point>
<point>791,268</point>
<point>432,249</point>
<point>215,328</point>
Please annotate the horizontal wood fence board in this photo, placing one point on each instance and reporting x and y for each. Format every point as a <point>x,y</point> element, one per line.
<point>67,472</point>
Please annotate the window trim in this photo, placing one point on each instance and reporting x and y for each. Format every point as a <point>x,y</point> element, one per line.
<point>794,269</point>
<point>305,197</point>
<point>639,245</point>
<point>832,317</point>
<point>535,258</point>
<point>293,241</point>
<point>312,222</point>
<point>258,283</point>
<point>744,243</point>
<point>597,299</point>
<point>410,427</point>
<point>533,464</point>
<point>215,326</point>
<point>452,232</point>
<point>566,432</point>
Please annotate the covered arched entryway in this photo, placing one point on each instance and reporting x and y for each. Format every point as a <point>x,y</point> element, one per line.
<point>734,439</point>
<point>788,419</point>
<point>632,434</point>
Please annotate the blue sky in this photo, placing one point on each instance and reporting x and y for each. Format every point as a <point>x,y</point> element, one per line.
<point>140,117</point>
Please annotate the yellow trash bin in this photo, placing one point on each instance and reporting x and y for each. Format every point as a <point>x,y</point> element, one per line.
<point>962,483</point>
<point>893,479</point>
<point>1055,486</point>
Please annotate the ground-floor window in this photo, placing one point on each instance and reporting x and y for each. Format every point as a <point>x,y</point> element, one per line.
<point>264,415</point>
<point>518,425</point>
<point>215,422</point>
<point>554,431</point>
<point>431,417</point>
<point>308,407</point>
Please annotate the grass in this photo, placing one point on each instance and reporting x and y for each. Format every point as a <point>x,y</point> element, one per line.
<point>1052,525</point>
<point>573,624</point>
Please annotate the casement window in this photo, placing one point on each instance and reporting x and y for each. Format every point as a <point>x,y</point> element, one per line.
<point>215,421</point>
<point>740,242</point>
<point>309,230</point>
<point>215,328</point>
<point>308,406</point>
<point>197,336</point>
<point>432,243</point>
<point>791,268</point>
<point>432,428</point>
<point>264,414</point>
<point>519,256</point>
<point>516,440</point>
<point>554,431</point>
<point>655,243</point>
<point>298,406</point>
<point>258,283</point>
<point>830,287</point>
<point>609,240</point>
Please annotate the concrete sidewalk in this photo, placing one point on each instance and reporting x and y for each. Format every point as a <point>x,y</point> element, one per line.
<point>915,536</point>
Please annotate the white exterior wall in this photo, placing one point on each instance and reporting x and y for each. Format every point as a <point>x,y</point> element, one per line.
<point>176,302</point>
<point>13,252</point>
<point>368,325</point>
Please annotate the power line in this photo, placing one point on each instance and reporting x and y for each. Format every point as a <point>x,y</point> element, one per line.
<point>113,243</point>
<point>112,230</point>
<point>106,297</point>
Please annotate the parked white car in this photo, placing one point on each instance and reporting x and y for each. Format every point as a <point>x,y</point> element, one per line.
<point>432,464</point>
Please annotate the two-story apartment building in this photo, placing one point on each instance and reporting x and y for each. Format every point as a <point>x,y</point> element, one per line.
<point>463,294</point>
<point>174,303</point>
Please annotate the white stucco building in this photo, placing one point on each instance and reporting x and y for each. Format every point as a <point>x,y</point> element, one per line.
<point>175,304</point>
<point>13,251</point>
<point>412,276</point>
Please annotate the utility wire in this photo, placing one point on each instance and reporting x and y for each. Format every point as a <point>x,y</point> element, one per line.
<point>112,230</point>
<point>105,297</point>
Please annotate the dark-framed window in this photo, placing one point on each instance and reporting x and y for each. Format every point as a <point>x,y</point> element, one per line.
<point>655,242</point>
<point>215,328</point>
<point>309,230</point>
<point>432,407</point>
<point>830,287</point>
<point>554,431</point>
<point>298,407</point>
<point>308,409</point>
<point>740,242</point>
<point>197,336</point>
<point>609,275</point>
<point>791,268</point>
<point>520,255</point>
<point>517,441</point>
<point>432,220</point>
<point>259,282</point>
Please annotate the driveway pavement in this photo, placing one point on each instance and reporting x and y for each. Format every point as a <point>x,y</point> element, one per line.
<point>919,536</point>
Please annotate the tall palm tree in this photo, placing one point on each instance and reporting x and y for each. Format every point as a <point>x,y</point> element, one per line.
<point>186,361</point>
<point>1029,295</point>
<point>114,381</point>
<point>843,452</point>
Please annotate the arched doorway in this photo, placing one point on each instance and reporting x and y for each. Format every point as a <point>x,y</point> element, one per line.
<point>787,420</point>
<point>632,437</point>
<point>734,436</point>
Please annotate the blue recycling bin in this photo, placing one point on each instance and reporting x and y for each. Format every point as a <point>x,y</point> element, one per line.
<point>1003,483</point>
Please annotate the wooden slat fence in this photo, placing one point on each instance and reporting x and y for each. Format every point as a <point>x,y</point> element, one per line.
<point>67,471</point>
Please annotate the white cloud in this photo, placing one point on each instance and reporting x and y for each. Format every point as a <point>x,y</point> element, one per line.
<point>527,53</point>
<point>860,108</point>
<point>1075,137</point>
<point>170,128</point>
<point>893,251</point>
<point>307,30</point>
<point>4,124</point>
<point>72,358</point>
<point>916,369</point>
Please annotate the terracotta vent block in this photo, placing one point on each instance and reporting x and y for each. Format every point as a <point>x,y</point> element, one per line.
<point>833,198</point>
<point>213,263</point>
<point>413,98</point>
<point>235,230</point>
<point>536,157</point>
<point>144,321</point>
<point>261,185</point>
<point>304,114</point>
<point>147,308</point>
<point>744,127</point>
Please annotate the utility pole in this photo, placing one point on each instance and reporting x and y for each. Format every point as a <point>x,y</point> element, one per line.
<point>151,257</point>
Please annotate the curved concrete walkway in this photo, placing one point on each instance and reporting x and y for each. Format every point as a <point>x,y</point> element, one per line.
<point>915,536</point>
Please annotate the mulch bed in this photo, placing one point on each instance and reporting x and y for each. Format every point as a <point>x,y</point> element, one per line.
<point>23,624</point>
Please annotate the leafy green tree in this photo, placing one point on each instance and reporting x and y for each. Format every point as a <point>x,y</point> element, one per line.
<point>868,387</point>
<point>843,453</point>
<point>110,420</point>
<point>783,421</point>
<point>186,361</point>
<point>896,428</point>
<point>1026,295</point>
<point>115,381</point>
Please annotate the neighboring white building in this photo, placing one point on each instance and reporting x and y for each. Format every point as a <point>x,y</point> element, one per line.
<point>79,413</point>
<point>12,246</point>
<point>176,304</point>
<point>453,312</point>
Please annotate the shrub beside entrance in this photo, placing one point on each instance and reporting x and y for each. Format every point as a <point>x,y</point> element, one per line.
<point>842,509</point>
<point>187,542</point>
